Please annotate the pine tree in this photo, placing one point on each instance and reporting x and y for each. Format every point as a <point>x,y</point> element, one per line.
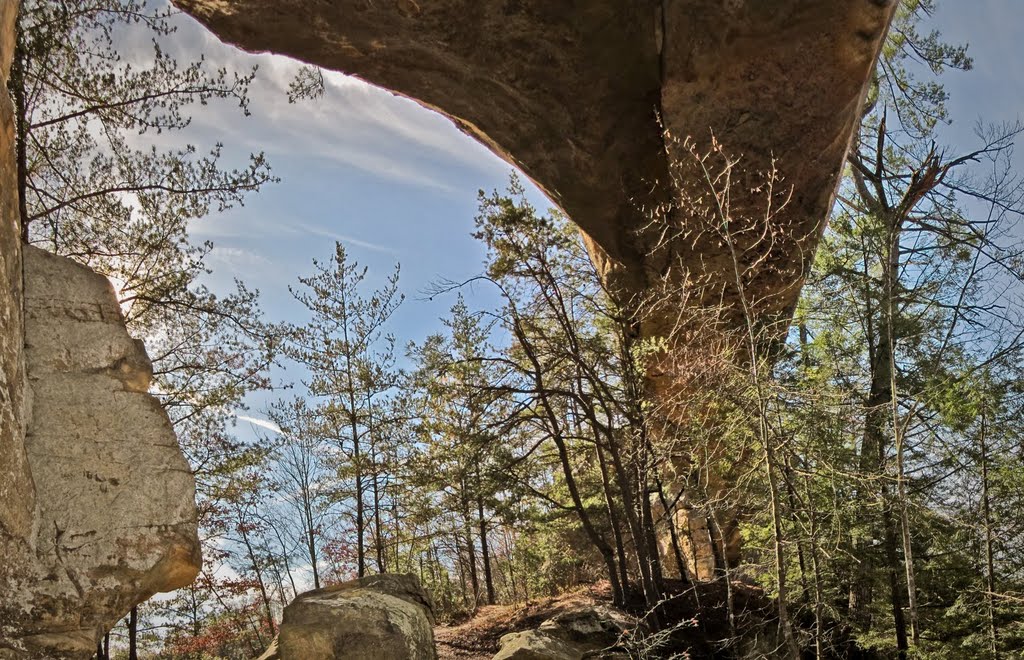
<point>349,355</point>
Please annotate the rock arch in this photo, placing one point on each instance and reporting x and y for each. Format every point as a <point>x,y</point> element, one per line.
<point>574,92</point>
<point>577,93</point>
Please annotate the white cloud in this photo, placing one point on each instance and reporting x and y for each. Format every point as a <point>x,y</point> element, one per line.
<point>262,423</point>
<point>326,233</point>
<point>239,259</point>
<point>355,124</point>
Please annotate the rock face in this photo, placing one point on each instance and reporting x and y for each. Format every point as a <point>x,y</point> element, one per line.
<point>97,508</point>
<point>17,491</point>
<point>381,616</point>
<point>116,501</point>
<point>95,515</point>
<point>113,520</point>
<point>535,645</point>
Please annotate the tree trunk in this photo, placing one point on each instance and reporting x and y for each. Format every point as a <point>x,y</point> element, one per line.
<point>378,530</point>
<point>787,477</point>
<point>629,506</point>
<point>563,455</point>
<point>307,507</point>
<point>397,534</point>
<point>360,521</point>
<point>684,573</point>
<point>484,549</point>
<point>378,533</point>
<point>133,634</point>
<point>16,84</point>
<point>268,612</point>
<point>718,548</point>
<point>990,571</point>
<point>467,528</point>
<point>892,570</point>
<point>357,461</point>
<point>873,455</point>
<point>650,568</point>
<point>908,552</point>
<point>510,554</point>
<point>461,562</point>
<point>614,520</point>
<point>785,625</point>
<point>819,604</point>
<point>650,533</point>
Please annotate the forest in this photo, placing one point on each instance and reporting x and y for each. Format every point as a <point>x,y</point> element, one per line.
<point>854,464</point>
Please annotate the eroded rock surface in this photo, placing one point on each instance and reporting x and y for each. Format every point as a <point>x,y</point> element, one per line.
<point>577,93</point>
<point>535,645</point>
<point>17,492</point>
<point>380,616</point>
<point>594,101</point>
<point>115,517</point>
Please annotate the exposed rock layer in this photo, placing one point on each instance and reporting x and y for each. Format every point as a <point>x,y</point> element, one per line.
<point>594,100</point>
<point>97,507</point>
<point>570,91</point>
<point>17,492</point>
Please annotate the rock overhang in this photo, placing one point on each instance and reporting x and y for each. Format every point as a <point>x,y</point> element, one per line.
<point>580,94</point>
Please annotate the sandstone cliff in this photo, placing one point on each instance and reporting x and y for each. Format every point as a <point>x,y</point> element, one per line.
<point>97,506</point>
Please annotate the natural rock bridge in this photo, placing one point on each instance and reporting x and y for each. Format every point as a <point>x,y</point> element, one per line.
<point>95,505</point>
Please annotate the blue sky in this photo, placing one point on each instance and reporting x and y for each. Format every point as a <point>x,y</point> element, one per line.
<point>994,90</point>
<point>390,180</point>
<point>397,183</point>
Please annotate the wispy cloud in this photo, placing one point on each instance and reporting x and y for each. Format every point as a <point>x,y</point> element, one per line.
<point>355,124</point>
<point>262,423</point>
<point>326,233</point>
<point>238,258</point>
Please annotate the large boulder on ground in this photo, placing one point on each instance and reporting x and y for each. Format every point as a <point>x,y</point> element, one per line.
<point>597,625</point>
<point>115,498</point>
<point>380,616</point>
<point>537,645</point>
<point>592,631</point>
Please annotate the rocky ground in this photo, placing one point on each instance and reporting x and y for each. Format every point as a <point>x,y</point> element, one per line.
<point>478,638</point>
<point>706,635</point>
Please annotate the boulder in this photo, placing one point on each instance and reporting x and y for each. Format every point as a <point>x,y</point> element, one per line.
<point>591,631</point>
<point>537,645</point>
<point>375,617</point>
<point>115,499</point>
<point>595,626</point>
